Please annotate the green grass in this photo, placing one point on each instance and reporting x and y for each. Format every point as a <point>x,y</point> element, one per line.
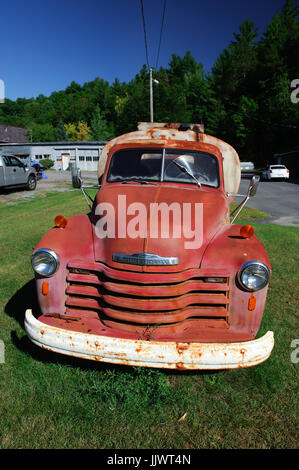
<point>249,213</point>
<point>52,401</point>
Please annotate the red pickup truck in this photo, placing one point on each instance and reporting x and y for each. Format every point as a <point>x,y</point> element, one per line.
<point>157,274</point>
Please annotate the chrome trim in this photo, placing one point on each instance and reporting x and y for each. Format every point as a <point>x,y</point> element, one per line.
<point>145,259</point>
<point>249,263</point>
<point>52,253</point>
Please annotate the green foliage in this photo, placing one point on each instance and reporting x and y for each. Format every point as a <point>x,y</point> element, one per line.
<point>61,132</point>
<point>245,100</point>
<point>80,131</point>
<point>100,129</point>
<point>47,163</point>
<point>41,132</point>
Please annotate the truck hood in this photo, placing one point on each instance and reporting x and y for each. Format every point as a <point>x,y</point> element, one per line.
<point>168,220</point>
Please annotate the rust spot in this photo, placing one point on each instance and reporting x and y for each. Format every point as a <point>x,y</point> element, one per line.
<point>181,347</point>
<point>180,365</point>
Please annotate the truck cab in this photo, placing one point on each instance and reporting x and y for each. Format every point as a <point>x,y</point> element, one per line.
<point>15,173</point>
<point>157,275</point>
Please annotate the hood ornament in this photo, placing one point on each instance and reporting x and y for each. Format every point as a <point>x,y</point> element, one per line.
<point>145,259</point>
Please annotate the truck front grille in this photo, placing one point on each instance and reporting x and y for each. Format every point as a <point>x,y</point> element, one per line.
<point>134,301</point>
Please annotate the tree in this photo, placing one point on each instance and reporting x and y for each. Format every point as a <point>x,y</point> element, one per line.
<point>80,132</point>
<point>99,128</point>
<point>83,131</point>
<point>71,131</point>
<point>61,132</point>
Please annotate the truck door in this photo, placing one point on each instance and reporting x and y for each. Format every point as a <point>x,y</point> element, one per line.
<point>20,175</point>
<point>9,178</point>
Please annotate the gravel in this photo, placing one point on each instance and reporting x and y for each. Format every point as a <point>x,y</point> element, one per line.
<point>56,181</point>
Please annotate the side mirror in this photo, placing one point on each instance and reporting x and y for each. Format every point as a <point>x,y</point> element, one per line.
<point>253,185</point>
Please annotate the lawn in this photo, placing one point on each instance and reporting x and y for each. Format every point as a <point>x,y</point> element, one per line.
<point>52,401</point>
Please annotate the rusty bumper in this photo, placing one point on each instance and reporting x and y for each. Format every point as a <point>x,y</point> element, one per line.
<point>170,355</point>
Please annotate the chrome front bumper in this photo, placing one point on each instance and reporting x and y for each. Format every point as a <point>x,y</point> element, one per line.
<point>169,355</point>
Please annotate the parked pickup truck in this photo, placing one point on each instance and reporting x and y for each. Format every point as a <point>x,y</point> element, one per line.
<point>157,274</point>
<point>14,173</point>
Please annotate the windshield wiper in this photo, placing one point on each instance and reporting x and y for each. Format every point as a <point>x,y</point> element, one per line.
<point>184,170</point>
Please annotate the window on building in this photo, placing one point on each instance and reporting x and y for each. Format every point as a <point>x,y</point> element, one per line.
<point>95,159</point>
<point>81,159</point>
<point>88,159</point>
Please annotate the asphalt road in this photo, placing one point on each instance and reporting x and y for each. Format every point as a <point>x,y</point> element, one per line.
<point>277,198</point>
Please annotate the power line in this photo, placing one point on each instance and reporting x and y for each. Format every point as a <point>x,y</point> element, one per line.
<point>161,31</point>
<point>144,31</point>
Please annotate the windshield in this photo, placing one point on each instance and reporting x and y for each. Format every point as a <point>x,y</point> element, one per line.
<point>181,166</point>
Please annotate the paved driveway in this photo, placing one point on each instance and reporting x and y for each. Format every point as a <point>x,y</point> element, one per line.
<point>277,198</point>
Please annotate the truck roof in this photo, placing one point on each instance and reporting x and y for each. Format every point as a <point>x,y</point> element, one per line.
<point>149,133</point>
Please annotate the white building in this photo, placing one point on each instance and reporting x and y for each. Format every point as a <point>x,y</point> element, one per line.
<point>84,155</point>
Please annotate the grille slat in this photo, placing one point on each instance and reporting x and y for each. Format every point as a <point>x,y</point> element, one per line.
<point>146,290</point>
<point>127,302</point>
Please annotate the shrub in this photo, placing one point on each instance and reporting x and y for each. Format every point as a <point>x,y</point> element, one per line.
<point>47,163</point>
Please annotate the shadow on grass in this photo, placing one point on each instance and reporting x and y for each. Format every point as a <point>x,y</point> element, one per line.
<point>22,300</point>
<point>26,298</point>
<point>16,189</point>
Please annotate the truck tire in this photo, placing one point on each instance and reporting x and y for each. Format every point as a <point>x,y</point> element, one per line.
<point>31,183</point>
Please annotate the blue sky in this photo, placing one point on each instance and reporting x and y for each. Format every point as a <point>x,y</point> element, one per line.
<point>46,44</point>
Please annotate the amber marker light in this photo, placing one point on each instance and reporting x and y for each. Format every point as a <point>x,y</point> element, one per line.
<point>60,221</point>
<point>251,302</point>
<point>246,231</point>
<point>45,288</point>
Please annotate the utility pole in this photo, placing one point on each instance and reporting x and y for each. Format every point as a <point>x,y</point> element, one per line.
<point>151,95</point>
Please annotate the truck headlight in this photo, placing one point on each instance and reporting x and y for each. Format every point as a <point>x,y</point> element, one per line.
<point>45,262</point>
<point>254,275</point>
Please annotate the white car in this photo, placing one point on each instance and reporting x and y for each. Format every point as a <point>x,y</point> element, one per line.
<point>276,172</point>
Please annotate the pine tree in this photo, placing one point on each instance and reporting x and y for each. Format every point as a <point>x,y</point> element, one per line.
<point>61,132</point>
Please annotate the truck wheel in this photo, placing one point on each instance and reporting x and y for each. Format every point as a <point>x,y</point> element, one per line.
<point>31,183</point>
